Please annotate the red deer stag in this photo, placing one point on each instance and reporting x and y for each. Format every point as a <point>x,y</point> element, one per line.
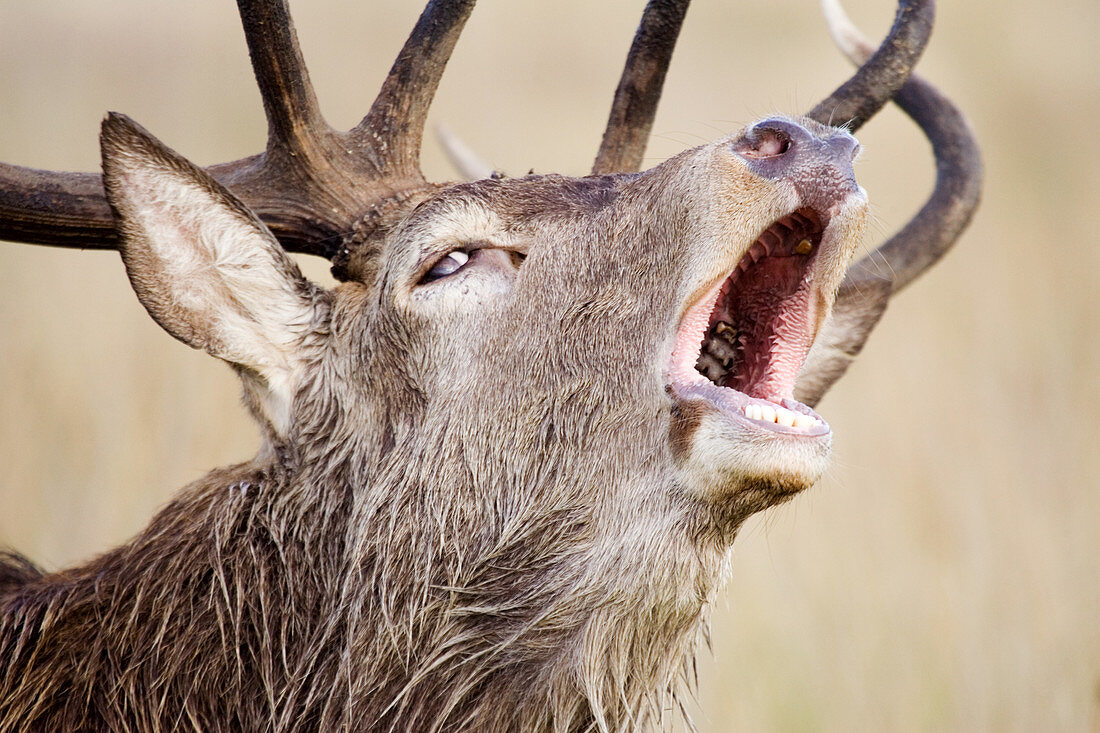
<point>506,458</point>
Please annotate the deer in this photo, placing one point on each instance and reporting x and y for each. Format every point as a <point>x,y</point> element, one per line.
<point>505,459</point>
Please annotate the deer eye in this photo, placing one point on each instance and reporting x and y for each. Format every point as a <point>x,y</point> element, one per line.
<point>449,264</point>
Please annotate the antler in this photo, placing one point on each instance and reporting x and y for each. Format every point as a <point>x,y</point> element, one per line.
<point>305,186</point>
<point>639,90</point>
<point>852,104</point>
<point>924,239</point>
<point>883,74</point>
<point>59,209</point>
<point>318,188</point>
<point>946,214</point>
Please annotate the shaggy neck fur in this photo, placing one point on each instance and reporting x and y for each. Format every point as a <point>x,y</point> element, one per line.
<point>391,585</point>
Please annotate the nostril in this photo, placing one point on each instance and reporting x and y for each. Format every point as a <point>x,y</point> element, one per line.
<point>843,146</point>
<point>774,142</point>
<point>763,142</point>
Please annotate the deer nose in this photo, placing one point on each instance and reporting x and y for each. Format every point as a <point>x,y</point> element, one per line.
<point>781,148</point>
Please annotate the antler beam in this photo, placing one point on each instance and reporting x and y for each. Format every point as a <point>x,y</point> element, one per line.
<point>56,209</point>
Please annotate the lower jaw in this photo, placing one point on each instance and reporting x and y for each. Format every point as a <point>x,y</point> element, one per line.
<point>737,406</point>
<point>740,466</point>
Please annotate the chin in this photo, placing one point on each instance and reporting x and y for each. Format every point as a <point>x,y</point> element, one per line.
<point>737,466</point>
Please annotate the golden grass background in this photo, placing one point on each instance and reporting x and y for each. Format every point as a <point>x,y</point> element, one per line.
<point>945,576</point>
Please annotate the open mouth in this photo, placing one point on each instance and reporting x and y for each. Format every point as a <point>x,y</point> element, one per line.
<point>743,344</point>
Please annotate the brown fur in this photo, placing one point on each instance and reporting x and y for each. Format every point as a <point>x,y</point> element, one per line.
<point>483,511</point>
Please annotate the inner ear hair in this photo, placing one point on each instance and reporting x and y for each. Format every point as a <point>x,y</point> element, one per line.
<point>203,265</point>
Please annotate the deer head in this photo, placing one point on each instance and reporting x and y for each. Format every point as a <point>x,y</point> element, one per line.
<point>506,457</point>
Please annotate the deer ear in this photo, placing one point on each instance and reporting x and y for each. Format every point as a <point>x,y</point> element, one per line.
<point>204,266</point>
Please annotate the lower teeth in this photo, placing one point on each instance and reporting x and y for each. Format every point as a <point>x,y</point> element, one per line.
<point>714,363</point>
<point>780,416</point>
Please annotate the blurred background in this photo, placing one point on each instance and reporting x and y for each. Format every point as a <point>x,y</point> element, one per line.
<point>944,576</point>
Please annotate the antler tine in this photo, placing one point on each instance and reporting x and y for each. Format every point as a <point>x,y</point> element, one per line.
<point>929,234</point>
<point>70,210</point>
<point>883,73</point>
<point>873,280</point>
<point>462,157</point>
<point>635,103</point>
<point>391,133</point>
<point>294,118</point>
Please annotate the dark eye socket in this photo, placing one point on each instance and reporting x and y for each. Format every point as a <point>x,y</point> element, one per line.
<point>449,264</point>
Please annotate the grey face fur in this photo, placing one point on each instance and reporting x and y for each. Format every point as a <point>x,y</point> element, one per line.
<point>495,493</point>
